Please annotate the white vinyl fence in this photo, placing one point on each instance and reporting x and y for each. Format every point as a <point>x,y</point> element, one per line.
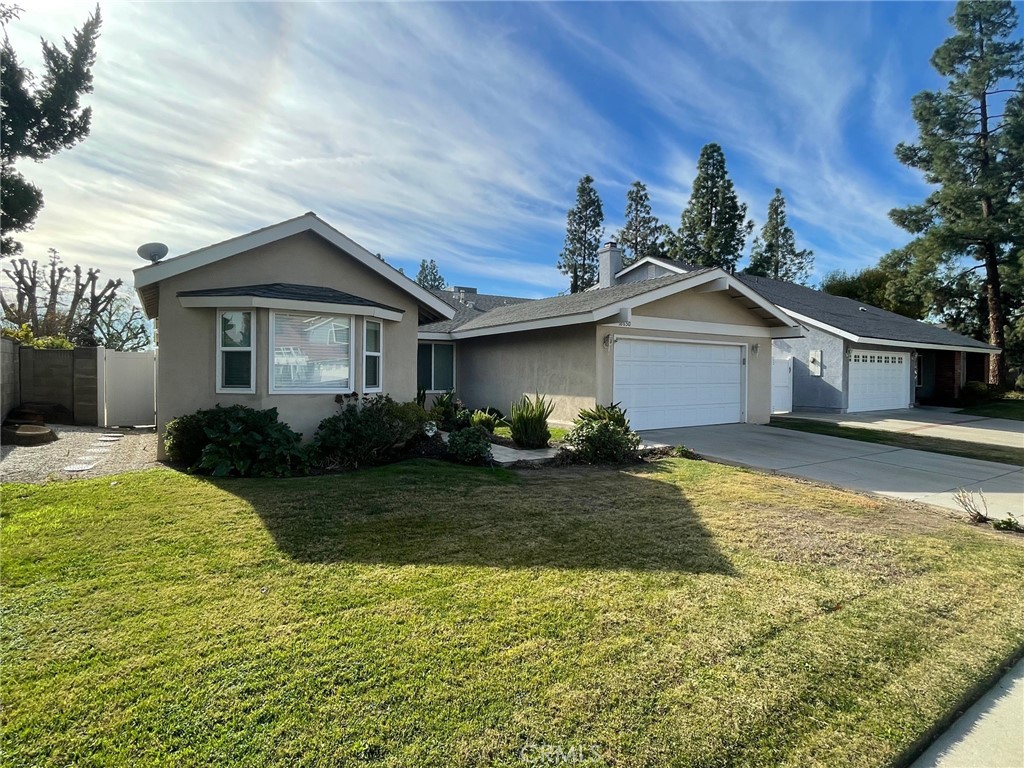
<point>128,389</point>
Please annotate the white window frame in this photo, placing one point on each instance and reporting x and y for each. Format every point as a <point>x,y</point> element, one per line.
<point>351,349</point>
<point>251,349</point>
<point>433,345</point>
<point>379,355</point>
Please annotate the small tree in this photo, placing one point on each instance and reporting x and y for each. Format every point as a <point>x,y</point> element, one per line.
<point>40,120</point>
<point>429,276</point>
<point>774,253</point>
<point>642,234</point>
<point>713,229</point>
<point>583,232</point>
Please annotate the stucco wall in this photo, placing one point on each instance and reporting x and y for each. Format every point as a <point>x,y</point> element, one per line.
<point>558,363</point>
<point>187,342</point>
<point>10,377</point>
<point>826,392</point>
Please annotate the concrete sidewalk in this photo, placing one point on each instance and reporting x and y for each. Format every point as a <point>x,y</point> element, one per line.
<point>931,478</point>
<point>944,423</point>
<point>988,735</point>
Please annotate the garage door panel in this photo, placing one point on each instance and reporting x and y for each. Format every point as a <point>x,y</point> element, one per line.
<point>669,384</point>
<point>878,381</point>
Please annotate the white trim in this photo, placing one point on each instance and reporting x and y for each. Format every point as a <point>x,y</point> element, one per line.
<point>351,361</point>
<point>643,322</point>
<point>308,222</point>
<point>670,266</point>
<point>289,305</point>
<point>885,342</point>
<point>533,325</point>
<point>379,355</point>
<point>220,389</point>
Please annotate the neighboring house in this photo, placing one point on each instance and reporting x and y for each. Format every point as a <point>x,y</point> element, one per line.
<point>288,317</point>
<point>853,356</point>
<point>293,314</point>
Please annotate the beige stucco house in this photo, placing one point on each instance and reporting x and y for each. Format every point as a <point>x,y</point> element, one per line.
<point>291,315</point>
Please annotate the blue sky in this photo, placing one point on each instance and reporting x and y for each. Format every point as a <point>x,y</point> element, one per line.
<point>459,132</point>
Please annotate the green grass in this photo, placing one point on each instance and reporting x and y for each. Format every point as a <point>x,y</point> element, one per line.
<point>1000,453</point>
<point>679,614</point>
<point>557,433</point>
<point>1006,408</point>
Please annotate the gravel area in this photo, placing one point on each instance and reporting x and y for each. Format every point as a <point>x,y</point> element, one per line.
<point>91,451</point>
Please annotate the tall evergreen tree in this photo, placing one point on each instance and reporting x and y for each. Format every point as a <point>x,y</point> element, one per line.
<point>40,120</point>
<point>642,234</point>
<point>584,228</point>
<point>774,253</point>
<point>429,275</point>
<point>968,148</point>
<point>714,227</point>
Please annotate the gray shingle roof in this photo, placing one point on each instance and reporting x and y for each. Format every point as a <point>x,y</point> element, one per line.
<point>557,306</point>
<point>291,292</point>
<point>855,317</point>
<point>482,302</point>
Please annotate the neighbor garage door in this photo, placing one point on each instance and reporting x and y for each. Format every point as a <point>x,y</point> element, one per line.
<point>879,381</point>
<point>667,384</point>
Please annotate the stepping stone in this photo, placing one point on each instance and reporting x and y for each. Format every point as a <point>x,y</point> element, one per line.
<point>118,435</point>
<point>78,467</point>
<point>97,450</point>
<point>109,439</point>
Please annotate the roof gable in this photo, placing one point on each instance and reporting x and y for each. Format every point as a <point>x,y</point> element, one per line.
<point>147,277</point>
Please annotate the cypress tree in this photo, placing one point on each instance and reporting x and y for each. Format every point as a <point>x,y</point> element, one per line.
<point>774,252</point>
<point>583,232</point>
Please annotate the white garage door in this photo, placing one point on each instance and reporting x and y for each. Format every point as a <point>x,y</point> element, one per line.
<point>666,384</point>
<point>879,381</point>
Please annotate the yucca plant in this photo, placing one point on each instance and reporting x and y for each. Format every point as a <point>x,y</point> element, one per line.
<point>529,422</point>
<point>484,419</point>
<point>613,414</point>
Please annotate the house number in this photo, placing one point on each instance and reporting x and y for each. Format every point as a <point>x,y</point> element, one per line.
<point>625,323</point>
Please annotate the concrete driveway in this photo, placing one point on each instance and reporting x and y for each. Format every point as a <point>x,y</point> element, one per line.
<point>931,478</point>
<point>928,422</point>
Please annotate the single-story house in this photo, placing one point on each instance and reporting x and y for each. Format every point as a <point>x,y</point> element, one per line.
<point>295,313</point>
<point>852,356</point>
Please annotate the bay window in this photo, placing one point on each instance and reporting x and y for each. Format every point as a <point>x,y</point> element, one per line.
<point>311,353</point>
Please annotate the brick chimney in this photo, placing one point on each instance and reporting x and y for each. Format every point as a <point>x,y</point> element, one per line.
<point>609,263</point>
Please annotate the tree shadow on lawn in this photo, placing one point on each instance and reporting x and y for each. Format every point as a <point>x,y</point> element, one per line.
<point>432,513</point>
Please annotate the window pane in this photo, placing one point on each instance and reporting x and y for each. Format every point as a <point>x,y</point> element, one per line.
<point>423,367</point>
<point>372,337</point>
<point>236,367</point>
<point>235,329</point>
<point>311,352</point>
<point>444,366</point>
<point>372,372</point>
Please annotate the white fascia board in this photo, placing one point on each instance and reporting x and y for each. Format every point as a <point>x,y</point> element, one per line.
<point>643,323</point>
<point>434,336</point>
<point>534,325</point>
<point>259,302</point>
<point>652,260</point>
<point>916,345</point>
<point>803,319</point>
<point>779,313</point>
<point>308,222</point>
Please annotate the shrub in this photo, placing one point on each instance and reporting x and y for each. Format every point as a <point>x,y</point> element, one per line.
<point>529,422</point>
<point>978,392</point>
<point>234,440</point>
<point>449,412</point>
<point>610,413</point>
<point>469,446</point>
<point>485,420</point>
<point>601,442</point>
<point>24,336</point>
<point>367,431</point>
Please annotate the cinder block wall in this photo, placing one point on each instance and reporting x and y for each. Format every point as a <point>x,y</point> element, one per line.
<point>10,377</point>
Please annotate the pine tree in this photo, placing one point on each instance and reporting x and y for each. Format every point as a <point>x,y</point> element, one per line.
<point>642,234</point>
<point>583,232</point>
<point>971,152</point>
<point>429,276</point>
<point>714,227</point>
<point>40,120</point>
<point>774,252</point>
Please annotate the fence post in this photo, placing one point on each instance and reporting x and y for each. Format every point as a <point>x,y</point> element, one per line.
<point>101,386</point>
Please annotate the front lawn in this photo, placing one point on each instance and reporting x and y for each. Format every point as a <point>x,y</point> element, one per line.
<point>423,614</point>
<point>1006,408</point>
<point>1000,453</point>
